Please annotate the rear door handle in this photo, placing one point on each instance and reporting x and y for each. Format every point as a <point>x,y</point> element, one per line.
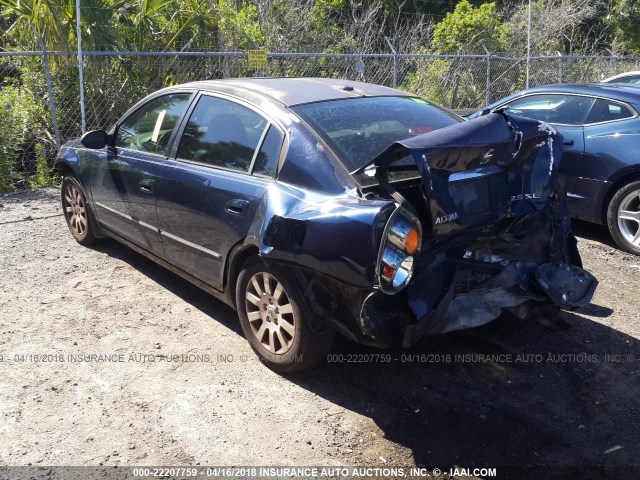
<point>568,143</point>
<point>236,206</point>
<point>147,185</point>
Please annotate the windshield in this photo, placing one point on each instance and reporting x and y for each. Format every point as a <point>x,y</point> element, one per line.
<point>358,129</point>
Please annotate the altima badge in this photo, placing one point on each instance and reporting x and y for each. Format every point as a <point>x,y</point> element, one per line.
<point>449,217</point>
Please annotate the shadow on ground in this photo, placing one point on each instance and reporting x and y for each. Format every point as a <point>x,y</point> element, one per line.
<point>553,398</point>
<point>562,403</point>
<point>174,283</point>
<point>591,231</point>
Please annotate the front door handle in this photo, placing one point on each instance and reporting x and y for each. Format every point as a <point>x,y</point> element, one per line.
<point>147,185</point>
<point>236,206</point>
<point>568,143</point>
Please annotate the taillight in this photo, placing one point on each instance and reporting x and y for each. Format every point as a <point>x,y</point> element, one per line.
<point>400,244</point>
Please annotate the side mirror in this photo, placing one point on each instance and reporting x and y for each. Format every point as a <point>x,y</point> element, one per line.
<point>95,139</point>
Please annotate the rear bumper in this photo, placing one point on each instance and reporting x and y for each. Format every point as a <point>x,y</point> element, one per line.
<point>528,266</point>
<point>554,285</point>
<point>524,290</point>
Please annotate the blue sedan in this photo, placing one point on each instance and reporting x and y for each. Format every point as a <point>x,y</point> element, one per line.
<point>601,163</point>
<point>316,206</point>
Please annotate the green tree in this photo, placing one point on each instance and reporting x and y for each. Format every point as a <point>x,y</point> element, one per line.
<point>22,139</point>
<point>450,81</point>
<point>623,18</point>
<point>468,27</point>
<point>55,22</point>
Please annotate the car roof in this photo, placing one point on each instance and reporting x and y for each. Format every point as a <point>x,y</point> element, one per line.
<point>617,91</point>
<point>295,91</point>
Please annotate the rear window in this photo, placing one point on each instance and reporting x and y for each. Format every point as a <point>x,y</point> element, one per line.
<point>607,111</point>
<point>359,129</point>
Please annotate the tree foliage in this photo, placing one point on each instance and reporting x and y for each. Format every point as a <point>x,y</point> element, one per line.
<point>323,25</point>
<point>623,18</point>
<point>467,28</point>
<point>438,27</point>
<point>21,115</point>
<point>568,27</point>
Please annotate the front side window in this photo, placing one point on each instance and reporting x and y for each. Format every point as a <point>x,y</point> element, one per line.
<point>560,109</point>
<point>149,128</point>
<point>607,111</point>
<point>221,133</point>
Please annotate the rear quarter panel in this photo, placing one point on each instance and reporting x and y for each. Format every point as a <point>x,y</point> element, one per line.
<point>612,154</point>
<point>76,158</point>
<point>336,236</point>
<point>610,148</point>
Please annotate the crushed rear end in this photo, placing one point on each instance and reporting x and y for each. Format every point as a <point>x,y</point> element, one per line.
<point>494,228</point>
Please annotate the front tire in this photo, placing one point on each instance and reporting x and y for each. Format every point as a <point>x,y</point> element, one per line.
<point>76,211</point>
<point>274,322</point>
<point>623,217</point>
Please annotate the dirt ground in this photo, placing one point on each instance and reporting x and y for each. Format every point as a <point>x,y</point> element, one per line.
<point>511,393</point>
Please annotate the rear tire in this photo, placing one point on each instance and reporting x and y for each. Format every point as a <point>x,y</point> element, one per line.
<point>76,211</point>
<point>275,322</point>
<point>623,217</point>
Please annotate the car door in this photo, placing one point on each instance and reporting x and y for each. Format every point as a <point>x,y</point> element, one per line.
<point>610,136</point>
<point>208,192</point>
<point>566,112</point>
<point>123,184</point>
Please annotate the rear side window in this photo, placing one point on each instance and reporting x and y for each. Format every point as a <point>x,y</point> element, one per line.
<point>267,158</point>
<point>561,109</point>
<point>149,128</point>
<point>221,133</point>
<point>607,111</point>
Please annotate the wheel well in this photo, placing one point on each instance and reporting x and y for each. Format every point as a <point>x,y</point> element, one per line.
<point>64,170</point>
<point>237,261</point>
<point>617,185</point>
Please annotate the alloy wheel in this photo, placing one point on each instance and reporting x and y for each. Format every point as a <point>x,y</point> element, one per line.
<point>270,313</point>
<point>75,210</point>
<point>629,218</point>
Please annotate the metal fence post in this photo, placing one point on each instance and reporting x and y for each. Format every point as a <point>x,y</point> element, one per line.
<point>395,62</point>
<point>52,101</point>
<point>614,61</point>
<point>528,44</point>
<point>80,66</point>
<point>487,92</point>
<point>560,69</point>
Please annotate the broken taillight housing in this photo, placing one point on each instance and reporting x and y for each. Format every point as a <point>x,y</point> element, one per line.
<point>400,244</point>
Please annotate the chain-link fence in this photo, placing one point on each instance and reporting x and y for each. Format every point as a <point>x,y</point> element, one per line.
<point>40,93</point>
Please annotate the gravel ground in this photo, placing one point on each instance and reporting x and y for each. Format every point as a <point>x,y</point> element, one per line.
<point>553,397</point>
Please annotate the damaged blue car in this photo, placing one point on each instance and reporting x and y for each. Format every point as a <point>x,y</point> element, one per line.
<point>316,206</point>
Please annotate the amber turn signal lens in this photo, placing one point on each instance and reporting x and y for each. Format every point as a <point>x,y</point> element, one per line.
<point>412,242</point>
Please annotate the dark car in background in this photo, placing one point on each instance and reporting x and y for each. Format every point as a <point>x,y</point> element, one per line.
<point>601,161</point>
<point>627,77</point>
<point>315,206</point>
